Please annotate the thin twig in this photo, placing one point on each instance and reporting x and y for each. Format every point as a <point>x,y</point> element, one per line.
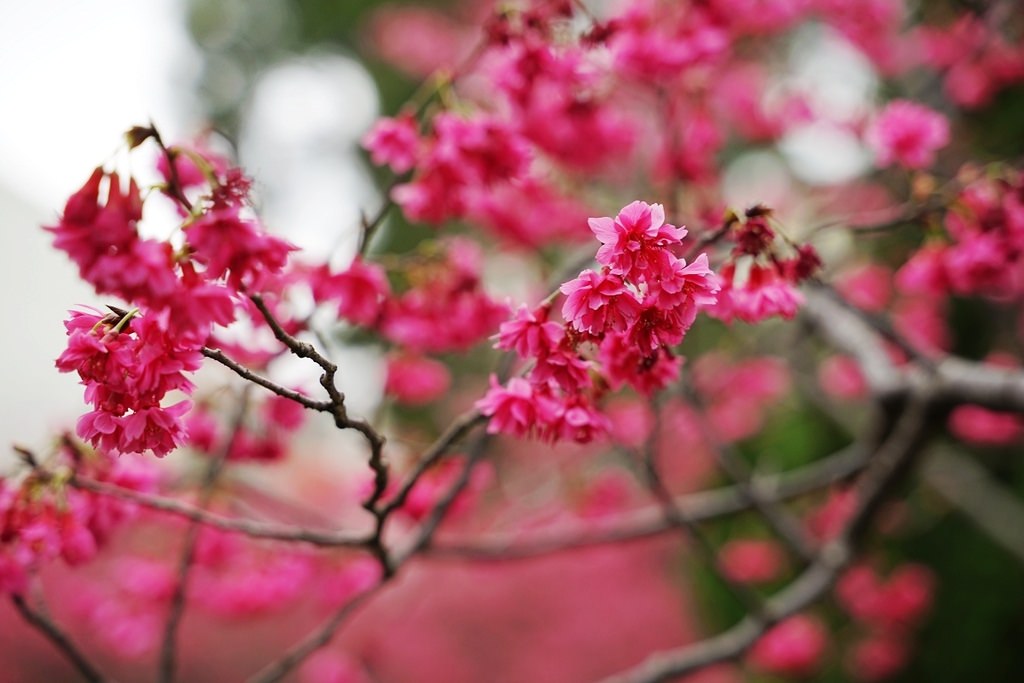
<point>990,506</point>
<point>747,598</point>
<point>458,428</point>
<point>52,632</point>
<point>901,445</point>
<point>323,635</point>
<point>777,517</point>
<point>246,527</point>
<point>648,522</point>
<point>247,374</point>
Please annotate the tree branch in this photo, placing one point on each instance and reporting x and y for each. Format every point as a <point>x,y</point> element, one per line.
<point>246,527</point>
<point>888,462</point>
<point>649,522</point>
<point>49,629</point>
<point>987,504</point>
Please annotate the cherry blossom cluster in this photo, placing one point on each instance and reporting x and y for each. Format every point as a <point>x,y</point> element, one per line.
<point>629,315</point>
<point>908,134</point>
<point>442,307</point>
<point>889,611</point>
<point>178,290</point>
<point>263,438</point>
<point>475,167</point>
<point>985,225</point>
<point>977,58</point>
<point>542,100</point>
<point>42,519</point>
<point>757,282</point>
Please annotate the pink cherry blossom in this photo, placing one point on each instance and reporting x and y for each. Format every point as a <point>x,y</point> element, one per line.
<point>877,657</point>
<point>908,134</point>
<point>751,560</point>
<point>359,291</point>
<point>416,380</point>
<point>635,242</point>
<point>529,333</point>
<point>519,408</point>
<point>236,248</point>
<point>985,427</point>
<point>394,142</point>
<point>599,302</point>
<point>794,647</point>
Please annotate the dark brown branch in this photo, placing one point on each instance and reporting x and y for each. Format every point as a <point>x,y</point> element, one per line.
<point>323,635</point>
<point>49,629</point>
<point>247,374</point>
<point>336,407</point>
<point>459,428</point>
<point>369,226</point>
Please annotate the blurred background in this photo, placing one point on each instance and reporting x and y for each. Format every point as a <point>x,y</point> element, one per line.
<point>291,86</point>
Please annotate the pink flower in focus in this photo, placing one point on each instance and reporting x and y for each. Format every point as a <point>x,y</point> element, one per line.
<point>529,333</point>
<point>765,294</point>
<point>157,429</point>
<point>636,241</point>
<point>646,371</point>
<point>577,420</point>
<point>416,380</point>
<point>599,302</point>
<point>90,229</point>
<point>794,647</point>
<point>908,134</point>
<point>562,367</point>
<point>693,287</point>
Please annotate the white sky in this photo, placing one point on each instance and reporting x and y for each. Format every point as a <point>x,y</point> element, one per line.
<point>76,74</point>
